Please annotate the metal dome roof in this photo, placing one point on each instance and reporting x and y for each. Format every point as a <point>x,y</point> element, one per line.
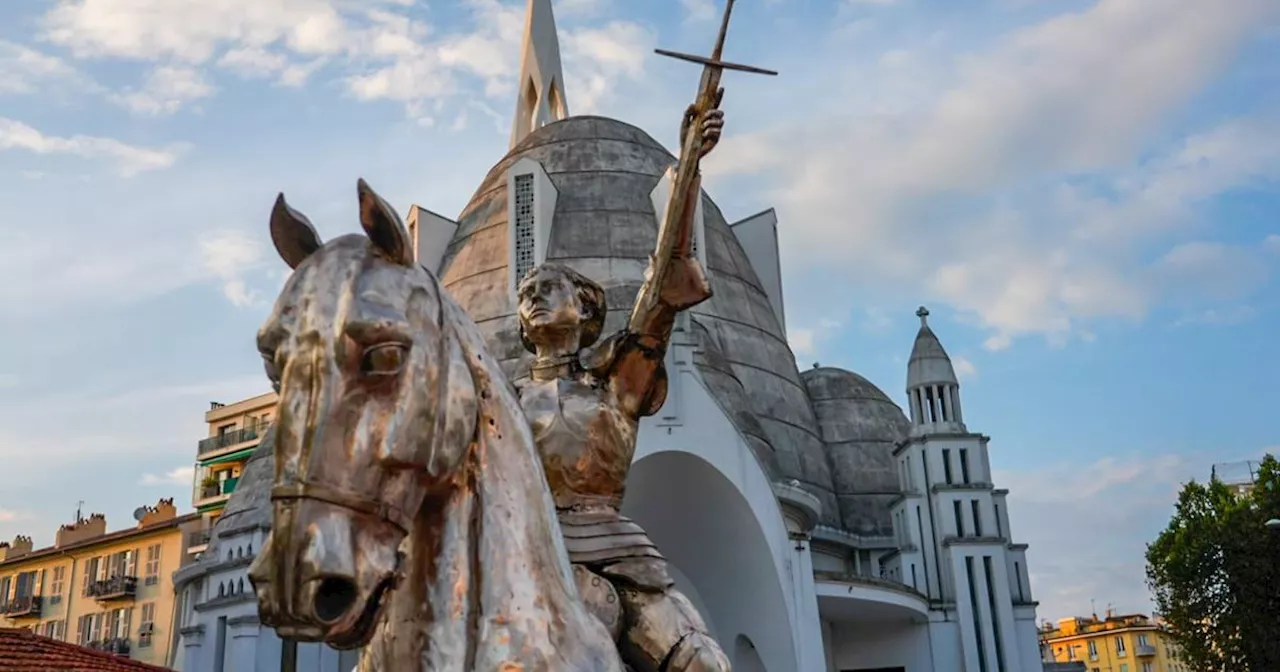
<point>605,227</point>
<point>860,426</point>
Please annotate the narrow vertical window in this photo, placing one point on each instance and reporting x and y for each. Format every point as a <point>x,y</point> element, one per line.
<point>991,600</point>
<point>964,465</point>
<point>946,465</point>
<point>977,518</point>
<point>977,620</point>
<point>999,524</point>
<point>959,518</point>
<point>524,229</point>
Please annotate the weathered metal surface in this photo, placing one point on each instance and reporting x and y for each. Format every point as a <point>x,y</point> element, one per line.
<point>605,228</point>
<point>410,512</point>
<point>584,398</point>
<point>860,427</point>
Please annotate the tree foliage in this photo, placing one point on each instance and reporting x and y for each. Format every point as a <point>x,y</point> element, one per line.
<point>1215,574</point>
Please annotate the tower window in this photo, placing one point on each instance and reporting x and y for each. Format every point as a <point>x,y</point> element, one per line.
<point>977,518</point>
<point>524,261</point>
<point>946,465</point>
<point>964,465</point>
<point>959,518</point>
<point>999,525</point>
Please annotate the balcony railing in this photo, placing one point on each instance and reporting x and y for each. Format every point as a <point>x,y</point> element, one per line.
<point>114,588</point>
<point>223,488</point>
<point>1145,650</point>
<point>117,645</point>
<point>25,606</point>
<point>198,538</point>
<point>216,443</point>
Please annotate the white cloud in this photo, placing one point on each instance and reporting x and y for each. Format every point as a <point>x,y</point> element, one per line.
<point>25,70</point>
<point>964,368</point>
<point>228,255</point>
<point>699,10</point>
<point>129,160</point>
<point>10,516</point>
<point>1226,316</point>
<point>382,52</point>
<point>1087,526</point>
<point>177,476</point>
<point>973,196</point>
<point>167,89</point>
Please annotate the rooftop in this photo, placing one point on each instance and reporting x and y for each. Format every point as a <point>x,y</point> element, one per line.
<point>92,531</point>
<point>24,651</point>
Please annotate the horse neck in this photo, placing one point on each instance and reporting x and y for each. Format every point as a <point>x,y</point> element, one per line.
<point>493,584</point>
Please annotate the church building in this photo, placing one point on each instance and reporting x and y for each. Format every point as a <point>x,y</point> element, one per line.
<point>816,525</point>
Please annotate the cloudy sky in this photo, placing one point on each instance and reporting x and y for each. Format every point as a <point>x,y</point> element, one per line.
<point>1084,193</point>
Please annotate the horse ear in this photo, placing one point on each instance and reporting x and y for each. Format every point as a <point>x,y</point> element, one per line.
<point>383,226</point>
<point>294,236</point>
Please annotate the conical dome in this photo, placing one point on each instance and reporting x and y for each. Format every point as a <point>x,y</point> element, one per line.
<point>929,363</point>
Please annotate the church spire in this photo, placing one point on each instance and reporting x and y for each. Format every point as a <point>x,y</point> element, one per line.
<point>932,385</point>
<point>540,89</point>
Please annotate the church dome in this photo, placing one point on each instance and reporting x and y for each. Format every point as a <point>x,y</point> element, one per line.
<point>604,226</point>
<point>860,426</point>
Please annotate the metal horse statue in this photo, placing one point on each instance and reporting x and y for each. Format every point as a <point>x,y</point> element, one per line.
<point>411,513</point>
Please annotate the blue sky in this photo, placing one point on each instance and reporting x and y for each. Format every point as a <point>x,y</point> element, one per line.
<point>1084,193</point>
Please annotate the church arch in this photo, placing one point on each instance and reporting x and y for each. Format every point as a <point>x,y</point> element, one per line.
<point>719,551</point>
<point>745,658</point>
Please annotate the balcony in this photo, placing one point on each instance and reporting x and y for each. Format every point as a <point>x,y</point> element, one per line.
<point>26,606</point>
<point>198,539</point>
<point>118,646</point>
<point>1144,650</point>
<point>224,488</point>
<point>114,588</point>
<point>215,444</point>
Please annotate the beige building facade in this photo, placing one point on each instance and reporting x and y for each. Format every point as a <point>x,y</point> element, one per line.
<point>110,591</point>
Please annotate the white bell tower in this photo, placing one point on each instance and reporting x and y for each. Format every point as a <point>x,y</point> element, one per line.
<point>540,93</point>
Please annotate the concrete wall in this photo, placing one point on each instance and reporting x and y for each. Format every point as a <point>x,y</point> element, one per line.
<point>866,647</point>
<point>698,490</point>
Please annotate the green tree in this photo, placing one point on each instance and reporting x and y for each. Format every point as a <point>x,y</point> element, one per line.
<point>1215,574</point>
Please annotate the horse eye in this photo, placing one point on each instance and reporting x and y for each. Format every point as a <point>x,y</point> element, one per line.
<point>383,360</point>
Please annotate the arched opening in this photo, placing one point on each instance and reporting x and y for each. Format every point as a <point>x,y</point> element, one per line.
<point>707,530</point>
<point>555,101</point>
<point>531,104</point>
<point>745,658</point>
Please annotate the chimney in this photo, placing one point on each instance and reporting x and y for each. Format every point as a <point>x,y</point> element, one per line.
<point>21,546</point>
<point>85,528</point>
<point>162,511</point>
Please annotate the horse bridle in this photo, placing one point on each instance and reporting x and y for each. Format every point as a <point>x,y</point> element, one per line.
<point>305,489</point>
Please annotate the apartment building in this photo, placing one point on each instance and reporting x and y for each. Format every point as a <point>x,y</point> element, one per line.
<point>110,591</point>
<point>1127,643</point>
<point>234,432</point>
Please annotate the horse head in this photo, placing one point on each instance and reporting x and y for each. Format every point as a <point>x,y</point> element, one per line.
<point>377,411</point>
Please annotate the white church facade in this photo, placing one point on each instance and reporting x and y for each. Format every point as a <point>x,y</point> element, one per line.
<point>816,526</point>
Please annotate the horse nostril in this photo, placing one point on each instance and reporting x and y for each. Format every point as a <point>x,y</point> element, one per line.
<point>334,597</point>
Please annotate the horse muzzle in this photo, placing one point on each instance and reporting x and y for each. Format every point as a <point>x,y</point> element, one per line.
<point>327,584</point>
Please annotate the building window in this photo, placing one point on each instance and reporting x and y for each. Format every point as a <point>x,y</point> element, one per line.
<point>1093,646</point>
<point>980,642</point>
<point>959,518</point>
<point>146,624</point>
<point>1146,667</point>
<point>946,465</point>
<point>1142,639</point>
<point>1124,667</point>
<point>964,465</point>
<point>1120,648</point>
<point>1017,576</point>
<point>524,225</point>
<point>153,565</point>
<point>57,585</point>
<point>999,523</point>
<point>977,518</point>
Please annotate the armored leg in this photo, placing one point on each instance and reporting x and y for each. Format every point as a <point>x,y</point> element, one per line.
<point>600,598</point>
<point>663,632</point>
